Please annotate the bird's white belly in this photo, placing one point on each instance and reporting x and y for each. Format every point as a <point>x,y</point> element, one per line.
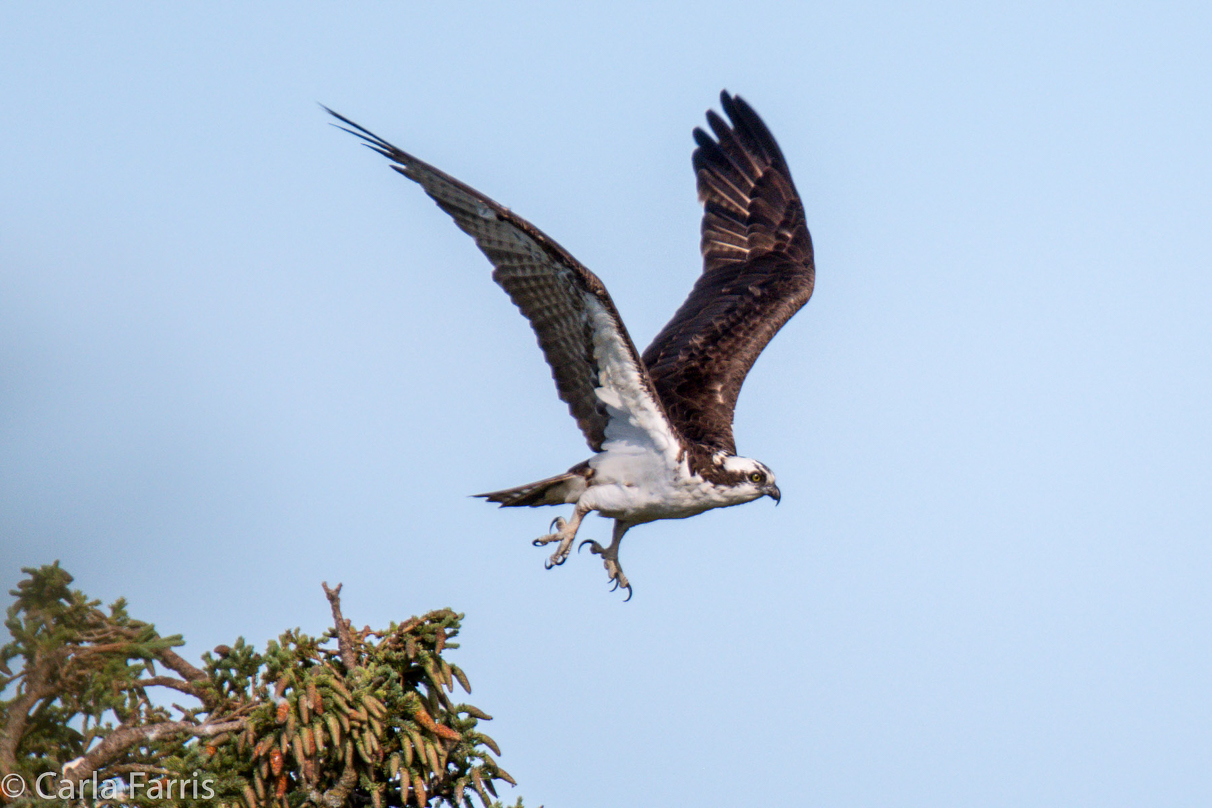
<point>642,487</point>
<point>637,504</point>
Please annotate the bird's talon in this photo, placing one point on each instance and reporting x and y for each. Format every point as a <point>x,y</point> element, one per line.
<point>557,524</point>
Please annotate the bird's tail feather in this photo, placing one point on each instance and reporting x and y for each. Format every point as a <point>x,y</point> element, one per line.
<point>556,490</point>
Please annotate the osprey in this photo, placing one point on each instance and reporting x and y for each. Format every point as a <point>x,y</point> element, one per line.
<point>660,423</point>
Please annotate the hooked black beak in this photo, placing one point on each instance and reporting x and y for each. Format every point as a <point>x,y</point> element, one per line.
<point>774,493</point>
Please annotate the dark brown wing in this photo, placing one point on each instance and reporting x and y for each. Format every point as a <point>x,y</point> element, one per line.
<point>757,272</point>
<point>563,300</point>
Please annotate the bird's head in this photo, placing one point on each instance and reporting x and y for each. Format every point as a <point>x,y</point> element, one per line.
<point>751,479</point>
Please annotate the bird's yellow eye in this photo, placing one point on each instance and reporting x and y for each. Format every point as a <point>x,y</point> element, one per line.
<point>756,477</point>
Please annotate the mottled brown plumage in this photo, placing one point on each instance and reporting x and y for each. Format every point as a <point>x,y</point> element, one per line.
<point>546,283</point>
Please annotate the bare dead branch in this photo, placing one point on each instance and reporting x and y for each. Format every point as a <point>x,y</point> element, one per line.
<point>127,736</point>
<point>175,684</point>
<point>127,768</point>
<point>344,641</point>
<point>174,661</point>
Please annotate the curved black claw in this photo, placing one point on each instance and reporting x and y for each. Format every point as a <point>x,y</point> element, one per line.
<point>537,543</point>
<point>557,521</point>
<point>597,548</point>
<point>551,563</point>
<point>615,588</point>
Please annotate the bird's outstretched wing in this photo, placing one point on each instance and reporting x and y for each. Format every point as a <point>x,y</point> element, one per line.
<point>757,272</point>
<point>596,367</point>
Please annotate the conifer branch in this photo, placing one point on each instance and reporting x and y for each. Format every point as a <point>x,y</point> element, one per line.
<point>32,689</point>
<point>368,724</point>
<point>336,796</point>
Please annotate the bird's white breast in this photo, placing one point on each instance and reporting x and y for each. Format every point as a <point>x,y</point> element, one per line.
<point>641,474</point>
<point>641,486</point>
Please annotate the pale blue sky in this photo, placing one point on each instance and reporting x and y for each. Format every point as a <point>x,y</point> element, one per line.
<point>241,356</point>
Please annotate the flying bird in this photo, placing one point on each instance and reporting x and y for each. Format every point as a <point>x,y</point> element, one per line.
<point>659,423</point>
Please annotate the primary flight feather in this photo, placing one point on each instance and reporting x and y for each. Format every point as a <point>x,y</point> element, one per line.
<point>660,424</point>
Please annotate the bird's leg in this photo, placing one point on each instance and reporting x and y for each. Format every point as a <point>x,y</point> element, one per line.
<point>565,532</point>
<point>610,556</point>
